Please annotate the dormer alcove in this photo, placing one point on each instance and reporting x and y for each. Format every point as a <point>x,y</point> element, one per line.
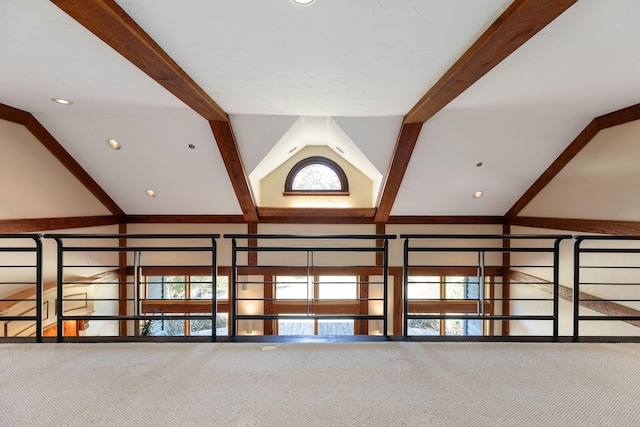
<point>272,186</point>
<point>309,137</point>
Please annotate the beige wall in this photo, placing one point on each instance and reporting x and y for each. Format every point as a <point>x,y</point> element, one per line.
<point>223,246</point>
<point>35,184</point>
<point>600,182</point>
<point>396,247</point>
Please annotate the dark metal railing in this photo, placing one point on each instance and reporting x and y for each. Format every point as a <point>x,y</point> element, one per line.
<point>307,266</point>
<point>485,264</point>
<point>510,283</point>
<point>11,251</point>
<point>129,270</point>
<point>607,282</point>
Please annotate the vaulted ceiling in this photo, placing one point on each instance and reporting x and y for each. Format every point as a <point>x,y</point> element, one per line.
<point>426,90</point>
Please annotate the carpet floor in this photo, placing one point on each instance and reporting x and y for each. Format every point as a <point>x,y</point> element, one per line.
<point>320,384</point>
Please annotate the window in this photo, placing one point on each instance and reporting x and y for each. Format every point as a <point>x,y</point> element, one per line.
<point>187,287</point>
<point>435,295</point>
<point>316,175</point>
<point>314,290</point>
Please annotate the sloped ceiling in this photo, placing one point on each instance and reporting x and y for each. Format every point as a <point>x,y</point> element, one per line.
<point>363,63</point>
<point>28,168</point>
<point>602,179</point>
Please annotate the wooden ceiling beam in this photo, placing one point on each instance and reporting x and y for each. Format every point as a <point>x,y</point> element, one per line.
<point>50,143</point>
<point>184,219</point>
<point>69,162</point>
<point>616,228</point>
<point>521,21</point>
<point>316,215</point>
<point>407,139</point>
<point>565,157</point>
<point>228,147</point>
<point>47,224</point>
<point>13,114</point>
<point>109,22</point>
<point>448,219</point>
<point>619,117</point>
<point>624,115</point>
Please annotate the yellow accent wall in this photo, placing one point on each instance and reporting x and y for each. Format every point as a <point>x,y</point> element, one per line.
<point>360,186</point>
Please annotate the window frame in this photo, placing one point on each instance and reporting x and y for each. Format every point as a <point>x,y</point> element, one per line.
<point>316,282</point>
<point>443,282</point>
<point>187,275</point>
<point>319,160</point>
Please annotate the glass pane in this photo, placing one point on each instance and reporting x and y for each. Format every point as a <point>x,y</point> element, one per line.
<point>174,287</point>
<point>222,324</point>
<point>201,287</point>
<point>338,287</point>
<point>295,327</point>
<point>150,327</point>
<point>222,287</point>
<point>454,326</point>
<point>423,327</point>
<point>472,290</point>
<point>203,326</point>
<point>316,177</point>
<point>423,287</point>
<point>473,327</point>
<point>292,287</point>
<point>155,288</point>
<point>173,327</point>
<point>455,287</point>
<point>200,327</point>
<point>335,327</point>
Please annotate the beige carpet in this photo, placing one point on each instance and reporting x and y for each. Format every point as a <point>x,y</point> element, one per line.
<point>320,384</point>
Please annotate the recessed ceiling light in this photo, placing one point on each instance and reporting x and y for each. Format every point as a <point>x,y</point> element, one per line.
<point>303,2</point>
<point>114,144</point>
<point>62,101</point>
<point>151,193</point>
<point>477,194</point>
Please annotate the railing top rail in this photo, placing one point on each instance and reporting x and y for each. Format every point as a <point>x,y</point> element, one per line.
<point>132,236</point>
<point>607,237</point>
<point>488,236</point>
<point>313,236</point>
<point>20,236</point>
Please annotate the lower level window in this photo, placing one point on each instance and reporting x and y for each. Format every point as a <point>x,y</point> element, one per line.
<point>436,292</point>
<point>312,291</point>
<point>188,287</point>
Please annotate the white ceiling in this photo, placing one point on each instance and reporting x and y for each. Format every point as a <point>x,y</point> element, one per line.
<point>364,63</point>
<point>336,58</point>
<point>519,117</point>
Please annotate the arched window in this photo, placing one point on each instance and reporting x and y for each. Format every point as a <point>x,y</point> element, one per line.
<point>316,175</point>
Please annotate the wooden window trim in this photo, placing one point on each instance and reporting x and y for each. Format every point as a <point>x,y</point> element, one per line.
<point>185,306</point>
<point>315,193</point>
<point>322,307</point>
<point>453,306</point>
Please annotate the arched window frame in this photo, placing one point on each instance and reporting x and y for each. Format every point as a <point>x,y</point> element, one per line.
<point>316,160</point>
